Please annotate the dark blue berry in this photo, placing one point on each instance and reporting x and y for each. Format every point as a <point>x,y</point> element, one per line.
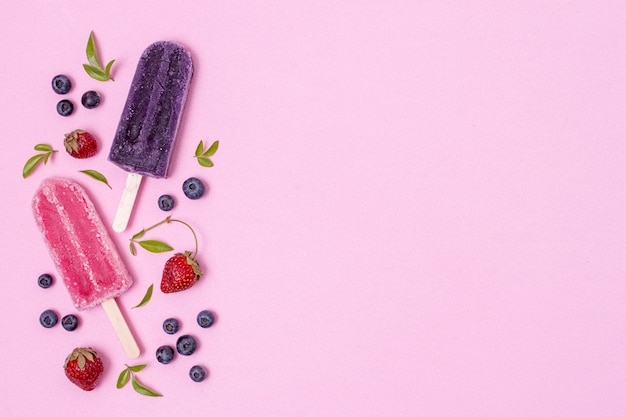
<point>205,318</point>
<point>90,99</point>
<point>165,354</point>
<point>65,107</point>
<point>186,345</point>
<point>48,319</point>
<point>197,373</point>
<point>69,322</point>
<point>193,188</point>
<point>61,84</point>
<point>45,280</point>
<point>166,202</point>
<point>170,326</point>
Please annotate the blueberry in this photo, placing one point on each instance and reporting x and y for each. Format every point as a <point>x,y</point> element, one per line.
<point>44,280</point>
<point>69,322</point>
<point>65,107</point>
<point>61,84</point>
<point>90,99</point>
<point>193,188</point>
<point>166,202</point>
<point>170,326</point>
<point>186,345</point>
<point>165,354</point>
<point>48,319</point>
<point>205,318</point>
<point>197,373</point>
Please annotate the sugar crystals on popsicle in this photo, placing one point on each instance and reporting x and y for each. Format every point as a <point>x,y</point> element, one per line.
<point>145,137</point>
<point>83,251</point>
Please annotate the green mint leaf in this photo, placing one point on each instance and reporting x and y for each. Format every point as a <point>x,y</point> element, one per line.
<point>199,149</point>
<point>92,54</point>
<point>96,175</point>
<point>155,246</point>
<point>123,378</point>
<point>143,390</point>
<point>205,162</point>
<point>31,164</point>
<point>146,298</point>
<point>136,368</point>
<point>132,248</point>
<point>43,147</point>
<point>211,151</point>
<point>107,70</point>
<point>95,73</point>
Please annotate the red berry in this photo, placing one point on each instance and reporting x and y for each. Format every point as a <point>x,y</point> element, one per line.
<point>83,367</point>
<point>80,144</point>
<point>180,273</point>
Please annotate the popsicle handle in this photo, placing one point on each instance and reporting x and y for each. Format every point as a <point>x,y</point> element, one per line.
<point>125,208</point>
<point>121,328</point>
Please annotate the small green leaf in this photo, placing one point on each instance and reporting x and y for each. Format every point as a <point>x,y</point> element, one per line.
<point>92,55</point>
<point>123,378</point>
<point>96,175</point>
<point>136,368</point>
<point>211,151</point>
<point>107,70</point>
<point>199,149</point>
<point>95,73</point>
<point>143,390</point>
<point>155,246</point>
<point>43,147</point>
<point>205,162</point>
<point>31,164</point>
<point>132,248</point>
<point>139,234</point>
<point>146,297</point>
<point>81,361</point>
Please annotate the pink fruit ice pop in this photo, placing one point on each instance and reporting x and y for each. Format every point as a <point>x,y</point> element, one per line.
<point>83,251</point>
<point>145,136</point>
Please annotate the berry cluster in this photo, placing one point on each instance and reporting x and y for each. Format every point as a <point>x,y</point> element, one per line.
<point>186,344</point>
<point>61,84</point>
<point>49,318</point>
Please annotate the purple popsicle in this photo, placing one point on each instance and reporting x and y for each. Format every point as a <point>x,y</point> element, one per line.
<point>146,134</point>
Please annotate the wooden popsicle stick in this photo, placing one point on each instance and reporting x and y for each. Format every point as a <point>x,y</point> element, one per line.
<point>121,328</point>
<point>125,208</point>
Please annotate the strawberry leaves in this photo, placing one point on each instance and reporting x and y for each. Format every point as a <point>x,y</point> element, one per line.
<point>94,69</point>
<point>203,156</point>
<point>35,160</point>
<point>128,374</point>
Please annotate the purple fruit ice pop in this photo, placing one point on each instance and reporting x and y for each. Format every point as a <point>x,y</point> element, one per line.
<point>145,137</point>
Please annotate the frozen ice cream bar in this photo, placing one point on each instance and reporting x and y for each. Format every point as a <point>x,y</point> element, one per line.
<point>145,137</point>
<point>83,251</point>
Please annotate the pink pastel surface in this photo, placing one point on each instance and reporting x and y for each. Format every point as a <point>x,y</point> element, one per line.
<point>416,209</point>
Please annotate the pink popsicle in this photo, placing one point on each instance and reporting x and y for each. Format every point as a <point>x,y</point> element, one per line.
<point>83,251</point>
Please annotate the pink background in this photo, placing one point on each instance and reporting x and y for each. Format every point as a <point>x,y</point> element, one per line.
<point>417,207</point>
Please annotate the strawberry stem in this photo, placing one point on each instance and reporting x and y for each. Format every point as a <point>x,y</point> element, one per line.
<point>168,219</point>
<point>195,238</point>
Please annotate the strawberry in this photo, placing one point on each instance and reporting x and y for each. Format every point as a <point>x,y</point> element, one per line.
<point>181,271</point>
<point>80,144</point>
<point>83,367</point>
